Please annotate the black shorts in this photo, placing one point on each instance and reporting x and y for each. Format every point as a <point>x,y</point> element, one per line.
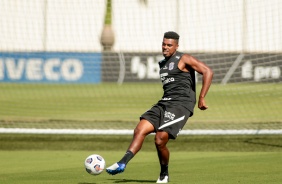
<point>170,119</point>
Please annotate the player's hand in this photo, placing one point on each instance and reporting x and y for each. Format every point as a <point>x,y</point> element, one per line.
<point>202,104</point>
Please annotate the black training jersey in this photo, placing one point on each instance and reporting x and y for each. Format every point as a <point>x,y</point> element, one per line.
<point>178,86</point>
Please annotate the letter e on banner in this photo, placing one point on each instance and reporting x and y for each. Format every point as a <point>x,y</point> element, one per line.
<point>34,69</point>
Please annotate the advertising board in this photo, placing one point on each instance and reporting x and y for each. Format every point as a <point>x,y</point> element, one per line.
<point>227,67</point>
<point>50,67</point>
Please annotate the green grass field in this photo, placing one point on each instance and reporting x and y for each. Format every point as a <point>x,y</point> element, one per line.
<point>33,159</point>
<point>33,167</point>
<point>87,106</point>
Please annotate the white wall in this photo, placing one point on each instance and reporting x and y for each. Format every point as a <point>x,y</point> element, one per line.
<point>74,25</point>
<point>21,25</point>
<point>68,26</point>
<point>264,25</point>
<point>204,25</point>
<point>208,26</point>
<point>140,27</point>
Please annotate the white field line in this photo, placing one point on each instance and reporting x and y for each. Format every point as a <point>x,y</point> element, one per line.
<point>130,132</point>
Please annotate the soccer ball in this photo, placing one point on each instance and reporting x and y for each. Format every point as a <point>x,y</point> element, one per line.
<point>94,164</point>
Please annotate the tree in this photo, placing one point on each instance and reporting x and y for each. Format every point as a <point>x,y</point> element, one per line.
<point>107,36</point>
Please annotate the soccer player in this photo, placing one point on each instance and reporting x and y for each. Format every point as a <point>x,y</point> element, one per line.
<point>169,115</point>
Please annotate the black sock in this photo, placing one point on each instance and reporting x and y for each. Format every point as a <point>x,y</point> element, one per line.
<point>127,157</point>
<point>164,169</point>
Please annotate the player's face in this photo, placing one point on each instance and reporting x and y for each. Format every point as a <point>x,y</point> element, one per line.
<point>169,47</point>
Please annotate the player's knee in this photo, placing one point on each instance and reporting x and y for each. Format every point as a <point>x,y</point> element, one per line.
<point>161,139</point>
<point>158,142</point>
<point>137,131</point>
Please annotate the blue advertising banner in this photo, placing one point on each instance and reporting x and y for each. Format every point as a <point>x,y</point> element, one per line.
<point>50,67</point>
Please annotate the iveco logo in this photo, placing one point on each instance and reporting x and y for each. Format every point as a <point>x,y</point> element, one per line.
<point>36,69</point>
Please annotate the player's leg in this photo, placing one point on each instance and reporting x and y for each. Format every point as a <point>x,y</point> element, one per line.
<point>161,140</point>
<point>143,128</point>
<point>140,132</point>
<point>174,120</point>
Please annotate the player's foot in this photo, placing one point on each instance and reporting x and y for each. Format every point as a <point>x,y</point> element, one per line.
<point>163,179</point>
<point>116,168</point>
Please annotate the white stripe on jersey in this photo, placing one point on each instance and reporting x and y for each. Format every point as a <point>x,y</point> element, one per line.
<point>172,122</point>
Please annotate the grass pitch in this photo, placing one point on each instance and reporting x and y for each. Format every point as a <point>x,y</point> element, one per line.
<point>109,105</point>
<point>33,159</point>
<point>54,159</point>
<point>33,167</point>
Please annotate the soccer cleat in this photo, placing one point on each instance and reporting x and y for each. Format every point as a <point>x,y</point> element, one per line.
<point>163,179</point>
<point>116,168</point>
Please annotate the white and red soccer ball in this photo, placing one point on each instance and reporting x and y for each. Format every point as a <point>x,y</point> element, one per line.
<point>94,164</point>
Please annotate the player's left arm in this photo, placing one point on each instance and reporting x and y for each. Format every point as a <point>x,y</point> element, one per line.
<point>207,74</point>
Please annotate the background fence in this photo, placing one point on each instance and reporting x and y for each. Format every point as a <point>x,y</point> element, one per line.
<point>56,75</point>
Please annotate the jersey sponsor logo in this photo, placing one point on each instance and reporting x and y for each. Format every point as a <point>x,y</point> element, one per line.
<point>177,57</point>
<point>164,74</point>
<point>164,79</point>
<point>168,80</point>
<point>171,66</point>
<point>164,68</point>
<point>166,98</point>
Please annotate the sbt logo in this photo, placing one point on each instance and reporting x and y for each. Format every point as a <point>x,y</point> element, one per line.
<point>146,70</point>
<point>260,72</point>
<point>53,69</point>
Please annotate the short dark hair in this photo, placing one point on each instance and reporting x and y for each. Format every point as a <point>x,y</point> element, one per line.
<point>171,35</point>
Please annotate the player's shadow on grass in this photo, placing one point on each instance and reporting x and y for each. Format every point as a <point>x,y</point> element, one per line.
<point>131,181</point>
